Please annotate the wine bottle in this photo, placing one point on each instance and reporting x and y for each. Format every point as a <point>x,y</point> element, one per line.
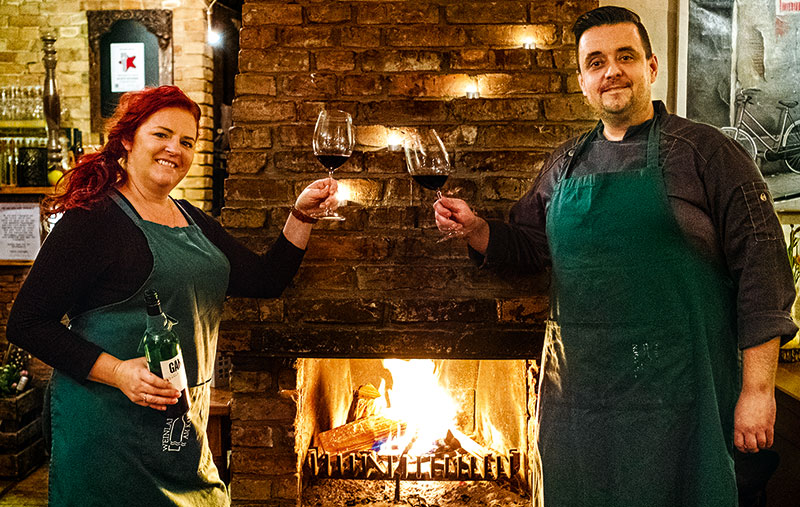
<point>77,144</point>
<point>163,352</point>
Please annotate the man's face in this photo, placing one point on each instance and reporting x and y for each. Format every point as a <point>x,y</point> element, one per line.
<point>615,75</point>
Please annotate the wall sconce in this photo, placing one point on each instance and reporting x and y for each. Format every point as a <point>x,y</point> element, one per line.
<point>394,142</point>
<point>472,91</point>
<point>528,43</point>
<point>343,192</point>
<point>213,37</point>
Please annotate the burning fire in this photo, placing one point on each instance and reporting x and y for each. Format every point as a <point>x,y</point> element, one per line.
<point>418,400</point>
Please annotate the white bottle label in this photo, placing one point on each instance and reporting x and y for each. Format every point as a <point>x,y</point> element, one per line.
<point>173,371</point>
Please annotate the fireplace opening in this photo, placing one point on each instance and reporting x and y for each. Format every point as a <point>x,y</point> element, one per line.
<point>443,432</point>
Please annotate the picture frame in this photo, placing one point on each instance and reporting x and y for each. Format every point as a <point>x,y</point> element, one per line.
<point>128,50</point>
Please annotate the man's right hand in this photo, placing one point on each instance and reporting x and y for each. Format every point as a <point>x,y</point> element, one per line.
<point>453,214</point>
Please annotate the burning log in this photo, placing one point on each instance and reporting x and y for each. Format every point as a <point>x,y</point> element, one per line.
<point>458,440</point>
<point>364,403</point>
<point>360,435</point>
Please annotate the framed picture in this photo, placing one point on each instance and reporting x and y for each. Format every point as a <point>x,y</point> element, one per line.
<point>128,51</point>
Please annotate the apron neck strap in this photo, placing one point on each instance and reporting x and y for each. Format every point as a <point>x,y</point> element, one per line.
<point>126,206</point>
<point>653,145</point>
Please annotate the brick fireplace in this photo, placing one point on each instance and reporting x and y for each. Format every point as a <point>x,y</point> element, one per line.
<point>378,285</point>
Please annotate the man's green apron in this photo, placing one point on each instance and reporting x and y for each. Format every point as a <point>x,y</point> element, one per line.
<point>639,392</point>
<point>106,450</point>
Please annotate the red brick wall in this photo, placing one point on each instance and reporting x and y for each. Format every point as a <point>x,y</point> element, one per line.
<point>380,273</point>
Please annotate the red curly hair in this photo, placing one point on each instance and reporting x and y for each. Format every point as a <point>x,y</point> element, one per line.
<point>96,174</point>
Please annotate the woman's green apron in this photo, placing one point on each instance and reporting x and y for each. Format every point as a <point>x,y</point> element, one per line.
<point>639,391</point>
<point>106,450</point>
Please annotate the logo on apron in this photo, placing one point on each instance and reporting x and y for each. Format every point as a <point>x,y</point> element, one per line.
<point>176,433</point>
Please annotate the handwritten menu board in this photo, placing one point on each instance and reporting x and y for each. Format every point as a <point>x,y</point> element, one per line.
<point>20,231</point>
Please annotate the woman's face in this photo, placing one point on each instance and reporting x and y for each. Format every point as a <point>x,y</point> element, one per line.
<point>162,149</point>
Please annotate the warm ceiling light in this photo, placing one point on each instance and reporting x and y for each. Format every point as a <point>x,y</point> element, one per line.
<point>528,43</point>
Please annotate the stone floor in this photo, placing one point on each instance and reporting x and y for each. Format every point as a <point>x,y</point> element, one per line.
<point>29,492</point>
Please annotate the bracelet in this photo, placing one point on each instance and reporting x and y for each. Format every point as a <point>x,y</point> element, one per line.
<point>306,219</point>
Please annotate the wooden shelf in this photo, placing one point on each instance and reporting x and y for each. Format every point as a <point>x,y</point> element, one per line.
<point>4,189</point>
<point>23,124</point>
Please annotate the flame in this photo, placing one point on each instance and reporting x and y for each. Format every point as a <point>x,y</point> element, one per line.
<point>417,399</point>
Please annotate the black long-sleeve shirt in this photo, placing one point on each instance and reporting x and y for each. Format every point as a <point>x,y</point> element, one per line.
<point>719,199</point>
<point>97,257</point>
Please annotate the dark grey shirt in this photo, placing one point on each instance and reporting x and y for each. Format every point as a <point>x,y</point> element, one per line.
<point>720,201</point>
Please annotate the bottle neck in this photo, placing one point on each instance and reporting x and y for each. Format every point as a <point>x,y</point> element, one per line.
<point>157,322</point>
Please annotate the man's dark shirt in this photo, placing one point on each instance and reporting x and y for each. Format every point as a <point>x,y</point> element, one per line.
<point>720,201</point>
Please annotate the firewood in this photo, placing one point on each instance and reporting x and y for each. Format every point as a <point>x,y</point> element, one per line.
<point>364,404</point>
<point>359,435</point>
<point>458,440</point>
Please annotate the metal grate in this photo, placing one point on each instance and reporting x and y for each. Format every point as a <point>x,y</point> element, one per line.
<point>428,467</point>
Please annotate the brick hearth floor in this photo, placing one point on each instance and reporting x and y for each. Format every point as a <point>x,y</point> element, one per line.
<point>29,492</point>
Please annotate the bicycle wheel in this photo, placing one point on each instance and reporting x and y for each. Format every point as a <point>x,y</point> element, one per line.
<point>745,139</point>
<point>791,139</point>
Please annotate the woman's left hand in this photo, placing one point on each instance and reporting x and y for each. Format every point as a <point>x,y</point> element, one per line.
<point>318,196</point>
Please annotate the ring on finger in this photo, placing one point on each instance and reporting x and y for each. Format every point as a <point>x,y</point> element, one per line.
<point>144,397</point>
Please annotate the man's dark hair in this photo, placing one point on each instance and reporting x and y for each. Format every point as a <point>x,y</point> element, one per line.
<point>610,15</point>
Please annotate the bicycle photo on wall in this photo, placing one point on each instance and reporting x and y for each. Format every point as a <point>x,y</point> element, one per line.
<point>758,141</point>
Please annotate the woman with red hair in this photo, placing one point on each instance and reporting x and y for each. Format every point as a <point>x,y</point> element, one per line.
<point>121,234</point>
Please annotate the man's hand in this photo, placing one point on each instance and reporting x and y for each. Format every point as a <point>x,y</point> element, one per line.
<point>754,417</point>
<point>453,214</point>
<point>754,420</point>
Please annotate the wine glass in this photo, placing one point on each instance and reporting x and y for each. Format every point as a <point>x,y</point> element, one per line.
<point>429,164</point>
<point>333,144</point>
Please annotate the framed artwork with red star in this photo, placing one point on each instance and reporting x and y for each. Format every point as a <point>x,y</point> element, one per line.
<point>128,51</point>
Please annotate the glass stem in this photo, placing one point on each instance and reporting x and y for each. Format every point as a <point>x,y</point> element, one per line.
<point>328,208</point>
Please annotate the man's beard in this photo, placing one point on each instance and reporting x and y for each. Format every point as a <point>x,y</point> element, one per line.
<point>620,109</point>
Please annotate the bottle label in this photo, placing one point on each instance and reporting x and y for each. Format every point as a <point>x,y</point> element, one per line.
<point>174,371</point>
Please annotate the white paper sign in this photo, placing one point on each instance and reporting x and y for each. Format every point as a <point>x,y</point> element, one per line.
<point>127,66</point>
<point>20,231</point>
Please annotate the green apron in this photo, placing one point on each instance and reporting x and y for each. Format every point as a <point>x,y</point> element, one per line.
<point>106,450</point>
<point>642,376</point>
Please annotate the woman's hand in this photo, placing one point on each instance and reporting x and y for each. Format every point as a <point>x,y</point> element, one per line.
<point>142,387</point>
<point>317,196</point>
<point>313,200</point>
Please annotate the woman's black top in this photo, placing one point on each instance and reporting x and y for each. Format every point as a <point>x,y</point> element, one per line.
<point>97,257</point>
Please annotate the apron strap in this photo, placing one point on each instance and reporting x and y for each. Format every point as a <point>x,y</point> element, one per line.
<point>126,206</point>
<point>129,210</point>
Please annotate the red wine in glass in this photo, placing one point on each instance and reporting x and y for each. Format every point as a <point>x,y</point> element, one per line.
<point>430,181</point>
<point>429,164</point>
<point>333,144</point>
<point>332,162</point>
